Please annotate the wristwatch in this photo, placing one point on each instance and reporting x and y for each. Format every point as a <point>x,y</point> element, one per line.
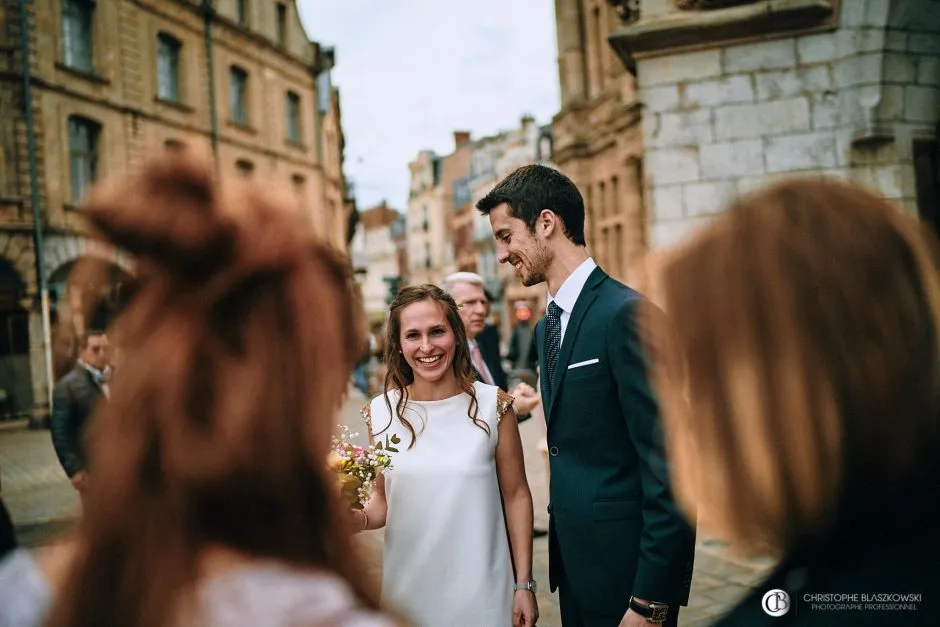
<point>527,585</point>
<point>654,613</point>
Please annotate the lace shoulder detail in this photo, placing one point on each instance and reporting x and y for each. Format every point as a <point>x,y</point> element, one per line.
<point>503,404</point>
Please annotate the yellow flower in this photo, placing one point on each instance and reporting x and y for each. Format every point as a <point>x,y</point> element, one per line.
<point>349,490</point>
<point>335,462</point>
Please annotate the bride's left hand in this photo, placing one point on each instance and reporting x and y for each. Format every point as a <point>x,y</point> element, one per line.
<point>525,611</point>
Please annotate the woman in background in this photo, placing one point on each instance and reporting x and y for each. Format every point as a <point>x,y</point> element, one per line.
<point>807,344</point>
<point>211,504</point>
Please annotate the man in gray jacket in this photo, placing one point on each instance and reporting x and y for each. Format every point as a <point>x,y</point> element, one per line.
<point>73,400</point>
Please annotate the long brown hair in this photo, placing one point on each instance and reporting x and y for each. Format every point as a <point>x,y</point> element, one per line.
<point>399,374</point>
<point>808,318</point>
<point>237,351</point>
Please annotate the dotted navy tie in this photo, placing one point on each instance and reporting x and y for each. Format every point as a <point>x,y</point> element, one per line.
<point>553,341</point>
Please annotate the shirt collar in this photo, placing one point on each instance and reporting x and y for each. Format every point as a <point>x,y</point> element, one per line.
<point>569,291</point>
<point>99,375</point>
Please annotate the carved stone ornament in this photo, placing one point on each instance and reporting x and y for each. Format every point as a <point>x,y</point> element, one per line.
<point>709,5</point>
<point>627,10</point>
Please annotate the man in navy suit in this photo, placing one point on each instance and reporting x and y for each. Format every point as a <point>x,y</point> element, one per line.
<point>620,553</point>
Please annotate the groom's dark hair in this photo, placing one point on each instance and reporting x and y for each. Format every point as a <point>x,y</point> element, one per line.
<point>532,188</point>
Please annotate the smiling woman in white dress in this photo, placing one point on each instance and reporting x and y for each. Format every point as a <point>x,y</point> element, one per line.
<point>459,466</point>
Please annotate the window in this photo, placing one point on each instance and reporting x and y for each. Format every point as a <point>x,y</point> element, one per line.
<point>238,94</point>
<point>293,117</point>
<point>244,168</point>
<point>83,155</point>
<point>281,24</point>
<point>594,64</point>
<point>243,12</point>
<point>168,67</point>
<point>299,183</point>
<point>77,34</point>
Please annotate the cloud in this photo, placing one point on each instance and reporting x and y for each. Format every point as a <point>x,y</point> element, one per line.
<point>411,72</point>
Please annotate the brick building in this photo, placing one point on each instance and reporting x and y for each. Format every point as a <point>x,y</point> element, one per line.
<point>112,81</point>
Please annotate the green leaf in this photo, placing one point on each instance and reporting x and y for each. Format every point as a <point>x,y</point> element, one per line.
<point>396,440</point>
<point>392,450</point>
<point>378,446</point>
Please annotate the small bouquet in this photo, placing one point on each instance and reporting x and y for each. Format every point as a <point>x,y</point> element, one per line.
<point>356,467</point>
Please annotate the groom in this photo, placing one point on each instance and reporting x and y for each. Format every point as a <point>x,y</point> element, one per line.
<point>619,551</point>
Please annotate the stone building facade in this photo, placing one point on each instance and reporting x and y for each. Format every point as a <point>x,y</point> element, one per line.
<point>113,81</point>
<point>375,254</point>
<point>742,95</point>
<point>445,232</point>
<point>425,220</point>
<point>597,136</point>
<point>493,159</point>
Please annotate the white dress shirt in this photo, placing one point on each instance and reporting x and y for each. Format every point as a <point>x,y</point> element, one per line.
<point>569,291</point>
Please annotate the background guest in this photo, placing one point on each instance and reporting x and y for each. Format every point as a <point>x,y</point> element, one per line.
<point>467,289</point>
<point>807,341</point>
<point>211,503</point>
<point>74,398</point>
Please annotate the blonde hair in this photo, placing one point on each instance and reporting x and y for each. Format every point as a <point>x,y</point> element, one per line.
<point>807,375</point>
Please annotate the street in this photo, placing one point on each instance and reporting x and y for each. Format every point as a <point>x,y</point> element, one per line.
<point>43,504</point>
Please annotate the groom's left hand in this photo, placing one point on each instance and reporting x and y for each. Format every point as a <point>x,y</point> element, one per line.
<point>632,619</point>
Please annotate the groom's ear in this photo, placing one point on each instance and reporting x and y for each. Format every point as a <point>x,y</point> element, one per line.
<point>547,223</point>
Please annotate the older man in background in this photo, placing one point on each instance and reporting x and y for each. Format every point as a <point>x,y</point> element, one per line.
<point>468,290</point>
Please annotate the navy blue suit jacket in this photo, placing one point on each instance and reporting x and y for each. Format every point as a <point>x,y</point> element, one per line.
<point>614,527</point>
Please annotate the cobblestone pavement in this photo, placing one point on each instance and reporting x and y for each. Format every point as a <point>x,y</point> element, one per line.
<point>43,504</point>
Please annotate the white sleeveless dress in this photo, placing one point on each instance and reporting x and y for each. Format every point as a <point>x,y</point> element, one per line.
<point>446,559</point>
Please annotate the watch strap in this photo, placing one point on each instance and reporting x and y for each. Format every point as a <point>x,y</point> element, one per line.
<point>653,612</point>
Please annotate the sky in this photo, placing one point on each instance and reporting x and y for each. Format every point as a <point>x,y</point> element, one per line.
<point>411,72</point>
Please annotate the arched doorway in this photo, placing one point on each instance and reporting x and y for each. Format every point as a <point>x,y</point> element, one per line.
<point>16,389</point>
<point>82,303</point>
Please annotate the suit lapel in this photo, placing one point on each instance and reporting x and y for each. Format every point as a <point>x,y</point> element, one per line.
<point>581,306</point>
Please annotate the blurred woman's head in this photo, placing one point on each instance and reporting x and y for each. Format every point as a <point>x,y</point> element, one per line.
<point>806,320</point>
<point>237,349</point>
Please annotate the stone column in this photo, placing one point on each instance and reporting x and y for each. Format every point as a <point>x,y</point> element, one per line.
<point>39,412</point>
<point>569,28</point>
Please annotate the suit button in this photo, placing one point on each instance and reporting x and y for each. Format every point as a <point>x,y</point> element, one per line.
<point>549,508</point>
<point>553,451</point>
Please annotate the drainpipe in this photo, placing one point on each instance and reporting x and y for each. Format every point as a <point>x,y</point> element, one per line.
<point>208,14</point>
<point>34,201</point>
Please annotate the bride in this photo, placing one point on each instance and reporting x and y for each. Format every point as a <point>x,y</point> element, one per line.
<point>459,467</point>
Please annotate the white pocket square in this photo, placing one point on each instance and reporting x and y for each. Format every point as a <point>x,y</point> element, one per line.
<point>584,363</point>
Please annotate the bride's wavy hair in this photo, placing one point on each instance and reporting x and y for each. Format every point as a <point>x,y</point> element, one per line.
<point>238,345</point>
<point>399,374</point>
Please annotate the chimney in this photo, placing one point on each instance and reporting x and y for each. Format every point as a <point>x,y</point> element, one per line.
<point>461,138</point>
